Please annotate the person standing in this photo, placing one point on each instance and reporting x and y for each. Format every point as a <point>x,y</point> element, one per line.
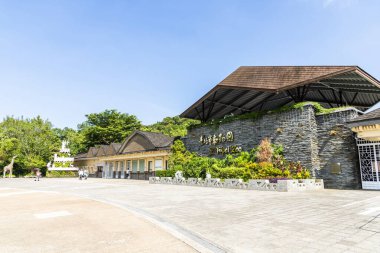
<point>80,174</point>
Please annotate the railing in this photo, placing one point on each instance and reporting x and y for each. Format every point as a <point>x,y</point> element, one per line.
<point>282,185</point>
<point>142,175</point>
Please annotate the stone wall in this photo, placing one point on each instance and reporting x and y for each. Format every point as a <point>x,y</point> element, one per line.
<point>305,136</point>
<point>338,154</point>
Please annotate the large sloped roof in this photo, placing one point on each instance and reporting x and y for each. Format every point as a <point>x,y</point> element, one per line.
<point>92,152</point>
<point>114,148</point>
<point>252,88</point>
<point>157,140</point>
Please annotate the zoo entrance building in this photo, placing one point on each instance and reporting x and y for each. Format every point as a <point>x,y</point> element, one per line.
<point>279,102</point>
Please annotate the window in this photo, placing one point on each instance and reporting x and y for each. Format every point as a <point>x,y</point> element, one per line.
<point>122,166</point>
<point>142,165</point>
<point>158,164</point>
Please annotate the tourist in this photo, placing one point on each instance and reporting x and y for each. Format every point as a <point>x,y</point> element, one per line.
<point>38,174</point>
<point>128,173</point>
<point>86,174</point>
<point>81,174</point>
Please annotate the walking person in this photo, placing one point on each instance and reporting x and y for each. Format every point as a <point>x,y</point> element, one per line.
<point>128,173</point>
<point>38,174</point>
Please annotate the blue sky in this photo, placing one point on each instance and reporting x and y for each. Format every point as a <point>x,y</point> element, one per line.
<point>64,59</point>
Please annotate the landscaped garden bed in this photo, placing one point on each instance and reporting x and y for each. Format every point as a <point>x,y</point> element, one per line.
<point>263,168</point>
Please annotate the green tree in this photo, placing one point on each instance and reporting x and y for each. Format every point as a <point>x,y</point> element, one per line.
<point>32,140</point>
<point>107,127</point>
<point>172,126</point>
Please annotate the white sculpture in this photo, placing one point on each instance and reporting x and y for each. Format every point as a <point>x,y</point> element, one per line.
<point>178,175</point>
<point>9,167</point>
<point>64,148</point>
<point>63,160</point>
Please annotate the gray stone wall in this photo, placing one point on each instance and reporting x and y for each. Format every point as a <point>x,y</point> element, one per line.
<point>338,154</point>
<point>295,130</point>
<point>305,136</point>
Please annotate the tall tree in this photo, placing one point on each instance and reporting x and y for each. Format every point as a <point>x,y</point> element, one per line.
<point>172,126</point>
<point>107,127</point>
<point>32,140</point>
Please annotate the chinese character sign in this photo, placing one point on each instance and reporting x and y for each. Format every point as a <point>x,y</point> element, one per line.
<point>216,139</point>
<point>220,138</point>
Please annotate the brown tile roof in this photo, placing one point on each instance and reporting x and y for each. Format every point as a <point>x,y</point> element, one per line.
<point>264,88</point>
<point>279,77</point>
<point>102,150</point>
<point>80,155</point>
<point>116,146</point>
<point>92,152</point>
<point>159,140</point>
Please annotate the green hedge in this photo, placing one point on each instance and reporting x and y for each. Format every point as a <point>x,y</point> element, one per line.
<point>62,164</point>
<point>56,173</point>
<point>165,173</point>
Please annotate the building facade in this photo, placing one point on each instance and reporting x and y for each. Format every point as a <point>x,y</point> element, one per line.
<point>141,154</point>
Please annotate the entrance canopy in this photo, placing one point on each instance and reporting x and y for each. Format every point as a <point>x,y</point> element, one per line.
<point>367,126</point>
<point>250,89</point>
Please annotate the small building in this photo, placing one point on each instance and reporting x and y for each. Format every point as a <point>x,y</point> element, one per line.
<point>142,153</point>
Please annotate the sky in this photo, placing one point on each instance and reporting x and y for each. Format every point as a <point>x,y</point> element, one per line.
<point>65,59</point>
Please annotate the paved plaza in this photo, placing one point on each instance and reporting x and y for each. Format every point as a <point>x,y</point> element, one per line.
<point>98,215</point>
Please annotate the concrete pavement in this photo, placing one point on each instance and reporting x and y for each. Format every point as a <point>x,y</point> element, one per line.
<point>40,222</point>
<point>220,220</point>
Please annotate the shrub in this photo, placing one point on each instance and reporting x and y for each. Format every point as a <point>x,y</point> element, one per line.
<point>231,172</point>
<point>264,162</point>
<point>165,173</point>
<point>264,151</point>
<point>56,173</point>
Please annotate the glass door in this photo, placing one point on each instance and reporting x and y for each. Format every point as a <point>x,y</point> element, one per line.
<point>150,166</point>
<point>134,165</point>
